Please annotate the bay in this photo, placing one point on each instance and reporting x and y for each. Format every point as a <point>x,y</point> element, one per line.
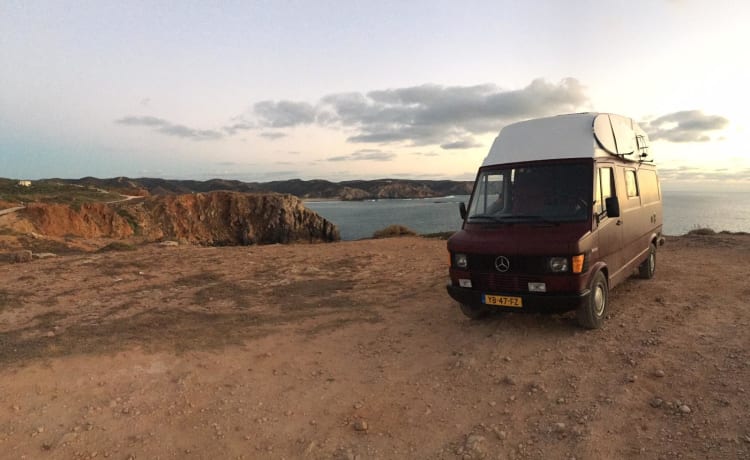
<point>683,211</point>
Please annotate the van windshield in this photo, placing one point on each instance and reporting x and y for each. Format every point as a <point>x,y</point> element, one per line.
<point>559,192</point>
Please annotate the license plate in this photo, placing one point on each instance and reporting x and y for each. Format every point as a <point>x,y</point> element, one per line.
<point>503,301</point>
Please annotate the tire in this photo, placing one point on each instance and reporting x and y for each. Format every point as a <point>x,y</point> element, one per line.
<point>473,312</point>
<point>591,313</point>
<point>648,267</point>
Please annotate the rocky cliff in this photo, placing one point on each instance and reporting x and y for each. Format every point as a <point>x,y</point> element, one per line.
<point>215,218</point>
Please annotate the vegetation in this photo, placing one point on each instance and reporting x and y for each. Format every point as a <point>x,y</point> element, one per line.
<point>51,191</point>
<point>394,231</point>
<point>702,231</point>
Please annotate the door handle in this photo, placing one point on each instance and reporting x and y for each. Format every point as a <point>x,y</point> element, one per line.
<point>618,222</point>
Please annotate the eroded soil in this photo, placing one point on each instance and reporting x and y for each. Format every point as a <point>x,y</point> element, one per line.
<point>354,350</point>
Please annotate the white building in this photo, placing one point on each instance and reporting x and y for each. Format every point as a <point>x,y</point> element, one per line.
<point>24,183</point>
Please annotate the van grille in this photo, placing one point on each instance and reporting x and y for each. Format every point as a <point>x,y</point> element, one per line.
<point>485,262</point>
<point>501,282</point>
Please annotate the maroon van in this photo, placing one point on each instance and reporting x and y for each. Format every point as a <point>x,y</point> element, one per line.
<point>563,209</point>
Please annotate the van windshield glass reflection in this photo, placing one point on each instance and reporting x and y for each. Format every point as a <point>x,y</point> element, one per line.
<point>547,193</point>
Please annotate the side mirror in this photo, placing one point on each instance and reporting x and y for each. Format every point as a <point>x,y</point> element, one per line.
<point>613,206</point>
<point>462,210</point>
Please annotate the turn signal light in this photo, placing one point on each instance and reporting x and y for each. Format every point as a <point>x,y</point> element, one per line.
<point>578,263</point>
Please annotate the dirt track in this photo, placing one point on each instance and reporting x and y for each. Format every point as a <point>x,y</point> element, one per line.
<point>354,350</point>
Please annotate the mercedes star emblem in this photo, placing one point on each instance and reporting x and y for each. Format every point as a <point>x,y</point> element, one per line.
<point>502,264</point>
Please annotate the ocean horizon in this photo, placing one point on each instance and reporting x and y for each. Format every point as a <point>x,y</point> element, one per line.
<point>683,211</point>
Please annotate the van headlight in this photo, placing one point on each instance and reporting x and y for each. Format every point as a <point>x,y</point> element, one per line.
<point>461,260</point>
<point>558,264</point>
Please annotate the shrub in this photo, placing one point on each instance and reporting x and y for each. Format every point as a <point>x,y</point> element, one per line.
<point>702,231</point>
<point>393,231</point>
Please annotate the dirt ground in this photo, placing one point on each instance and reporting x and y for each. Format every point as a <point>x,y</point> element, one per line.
<point>354,350</point>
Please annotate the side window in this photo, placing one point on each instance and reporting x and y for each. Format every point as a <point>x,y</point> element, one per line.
<point>649,186</point>
<point>605,188</point>
<point>631,185</point>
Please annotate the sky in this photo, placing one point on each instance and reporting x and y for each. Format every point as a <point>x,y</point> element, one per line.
<point>339,90</point>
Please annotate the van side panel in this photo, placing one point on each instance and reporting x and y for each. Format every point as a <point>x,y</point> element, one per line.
<point>640,217</point>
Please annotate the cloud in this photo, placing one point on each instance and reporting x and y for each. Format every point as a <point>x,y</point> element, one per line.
<point>434,114</point>
<point>272,135</point>
<point>238,127</point>
<point>684,126</point>
<point>170,129</point>
<point>429,114</point>
<point>365,155</point>
<point>283,114</point>
<point>468,143</point>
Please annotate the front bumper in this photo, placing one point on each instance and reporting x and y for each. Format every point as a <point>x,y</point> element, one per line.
<point>548,302</point>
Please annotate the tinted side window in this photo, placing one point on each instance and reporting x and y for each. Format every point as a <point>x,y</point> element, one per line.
<point>605,188</point>
<point>649,186</point>
<point>631,185</point>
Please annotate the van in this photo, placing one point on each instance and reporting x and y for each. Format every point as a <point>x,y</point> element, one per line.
<point>563,209</point>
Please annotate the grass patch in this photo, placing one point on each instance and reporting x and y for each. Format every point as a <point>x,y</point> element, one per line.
<point>392,231</point>
<point>50,191</point>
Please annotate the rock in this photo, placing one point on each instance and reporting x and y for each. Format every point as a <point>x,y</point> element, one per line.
<point>360,425</point>
<point>656,402</point>
<point>474,447</point>
<point>559,427</point>
<point>659,373</point>
<point>169,243</point>
<point>44,255</point>
<point>685,409</point>
<point>50,334</point>
<point>214,218</point>
<point>21,256</point>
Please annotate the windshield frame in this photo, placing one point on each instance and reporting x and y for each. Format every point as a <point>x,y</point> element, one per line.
<point>562,191</point>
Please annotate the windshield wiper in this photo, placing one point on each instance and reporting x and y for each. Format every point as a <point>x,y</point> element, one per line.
<point>532,217</point>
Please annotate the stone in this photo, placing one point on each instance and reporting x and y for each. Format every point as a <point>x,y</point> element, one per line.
<point>474,447</point>
<point>44,255</point>
<point>21,256</point>
<point>659,373</point>
<point>360,425</point>
<point>656,402</point>
<point>685,409</point>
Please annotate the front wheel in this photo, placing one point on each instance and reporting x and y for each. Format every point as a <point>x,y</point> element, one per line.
<point>648,267</point>
<point>473,311</point>
<point>591,313</point>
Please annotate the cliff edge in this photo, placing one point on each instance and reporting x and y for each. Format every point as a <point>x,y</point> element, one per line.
<point>215,218</point>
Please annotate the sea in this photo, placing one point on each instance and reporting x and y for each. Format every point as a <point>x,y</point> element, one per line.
<point>683,211</point>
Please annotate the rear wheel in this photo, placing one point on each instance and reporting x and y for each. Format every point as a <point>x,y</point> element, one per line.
<point>473,312</point>
<point>591,313</point>
<point>648,267</point>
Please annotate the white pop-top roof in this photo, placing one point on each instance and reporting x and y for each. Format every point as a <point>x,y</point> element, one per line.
<point>578,135</point>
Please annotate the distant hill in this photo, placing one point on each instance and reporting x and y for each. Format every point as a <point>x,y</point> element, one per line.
<point>347,190</point>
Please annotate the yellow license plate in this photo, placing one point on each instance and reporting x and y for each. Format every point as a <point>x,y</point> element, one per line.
<point>503,301</point>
